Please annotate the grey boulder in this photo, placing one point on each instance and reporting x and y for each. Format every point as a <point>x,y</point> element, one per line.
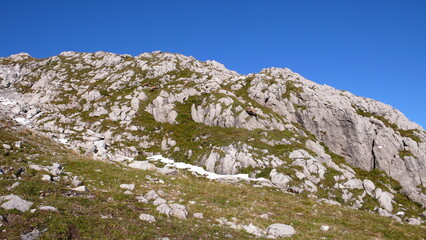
<point>15,202</point>
<point>147,218</point>
<point>278,230</point>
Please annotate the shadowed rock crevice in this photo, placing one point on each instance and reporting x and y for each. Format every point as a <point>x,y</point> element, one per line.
<point>374,162</point>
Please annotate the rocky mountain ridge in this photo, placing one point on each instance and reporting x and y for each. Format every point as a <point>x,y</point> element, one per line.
<point>300,136</point>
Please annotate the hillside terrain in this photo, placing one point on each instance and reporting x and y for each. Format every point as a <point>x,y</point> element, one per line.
<point>281,149</point>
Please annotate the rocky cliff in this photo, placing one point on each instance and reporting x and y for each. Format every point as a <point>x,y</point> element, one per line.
<point>300,136</point>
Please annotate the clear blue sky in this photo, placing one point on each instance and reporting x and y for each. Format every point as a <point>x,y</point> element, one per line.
<point>373,48</point>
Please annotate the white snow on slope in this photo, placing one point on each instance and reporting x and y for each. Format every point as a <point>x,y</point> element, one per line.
<point>22,121</point>
<point>192,168</point>
<point>6,101</point>
<point>200,170</point>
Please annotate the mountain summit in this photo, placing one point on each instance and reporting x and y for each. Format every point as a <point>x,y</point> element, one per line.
<point>276,126</point>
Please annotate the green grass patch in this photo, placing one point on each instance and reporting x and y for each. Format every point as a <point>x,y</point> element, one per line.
<point>405,153</point>
<point>290,88</point>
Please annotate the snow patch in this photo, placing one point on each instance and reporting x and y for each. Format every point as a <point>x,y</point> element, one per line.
<point>400,213</point>
<point>63,140</point>
<point>22,121</point>
<point>6,101</point>
<point>200,170</point>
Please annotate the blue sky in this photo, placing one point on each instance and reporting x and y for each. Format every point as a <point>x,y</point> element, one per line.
<point>372,48</point>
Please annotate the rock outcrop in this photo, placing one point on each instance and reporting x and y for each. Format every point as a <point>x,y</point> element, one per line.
<point>369,134</point>
<point>275,124</point>
<point>15,202</point>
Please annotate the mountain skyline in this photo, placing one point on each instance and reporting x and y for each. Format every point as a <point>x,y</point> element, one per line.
<point>372,49</point>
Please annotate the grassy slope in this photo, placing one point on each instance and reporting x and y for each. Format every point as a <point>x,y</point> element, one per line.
<point>80,216</point>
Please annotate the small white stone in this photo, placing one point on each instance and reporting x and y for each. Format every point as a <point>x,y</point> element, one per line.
<point>143,165</point>
<point>147,217</point>
<point>14,185</point>
<point>35,234</point>
<point>142,199</point>
<point>35,167</point>
<point>324,228</point>
<point>178,211</point>
<point>46,177</point>
<point>48,208</point>
<point>159,201</point>
<point>400,213</point>
<point>164,209</point>
<point>151,195</point>
<point>167,171</point>
<point>252,229</point>
<point>198,215</point>
<point>80,189</point>
<point>76,182</point>
<point>414,221</point>
<point>128,186</point>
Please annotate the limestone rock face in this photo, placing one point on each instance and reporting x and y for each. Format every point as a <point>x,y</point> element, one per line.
<point>220,114</point>
<point>279,179</point>
<point>234,159</point>
<point>118,107</point>
<point>162,109</point>
<point>369,134</point>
